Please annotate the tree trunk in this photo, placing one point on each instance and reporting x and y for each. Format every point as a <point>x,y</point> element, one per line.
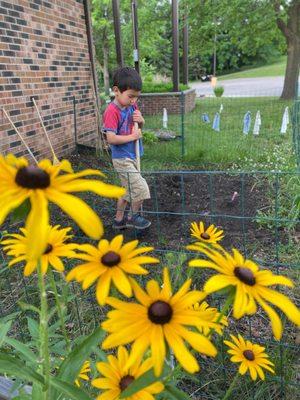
<point>291,31</point>
<point>292,70</point>
<point>105,68</point>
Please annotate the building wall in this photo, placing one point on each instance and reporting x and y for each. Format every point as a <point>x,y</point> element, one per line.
<point>44,53</point>
<point>153,103</point>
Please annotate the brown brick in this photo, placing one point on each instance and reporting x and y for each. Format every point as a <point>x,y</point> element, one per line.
<point>44,37</point>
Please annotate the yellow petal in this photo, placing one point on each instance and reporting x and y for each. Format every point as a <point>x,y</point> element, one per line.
<point>158,348</point>
<point>121,282</point>
<point>185,358</point>
<point>218,282</point>
<point>30,267</point>
<point>283,303</point>
<point>138,349</point>
<point>37,225</point>
<point>103,287</point>
<point>89,185</point>
<point>167,288</point>
<point>274,318</point>
<point>78,210</point>
<point>198,342</point>
<point>127,335</point>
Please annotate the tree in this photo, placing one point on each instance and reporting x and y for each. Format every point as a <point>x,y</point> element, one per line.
<point>246,32</point>
<point>102,21</point>
<point>288,21</point>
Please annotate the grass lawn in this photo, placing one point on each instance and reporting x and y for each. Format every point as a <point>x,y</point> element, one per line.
<point>229,147</point>
<point>274,69</point>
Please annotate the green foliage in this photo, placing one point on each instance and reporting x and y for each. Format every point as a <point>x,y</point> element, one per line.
<point>243,32</point>
<point>149,137</point>
<point>149,87</point>
<point>218,91</point>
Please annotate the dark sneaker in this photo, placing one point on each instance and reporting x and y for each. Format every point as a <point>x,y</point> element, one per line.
<point>138,222</point>
<point>120,224</point>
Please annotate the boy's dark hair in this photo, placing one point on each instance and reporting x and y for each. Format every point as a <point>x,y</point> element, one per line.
<point>127,78</point>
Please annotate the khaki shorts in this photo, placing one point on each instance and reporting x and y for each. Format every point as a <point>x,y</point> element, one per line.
<point>136,186</point>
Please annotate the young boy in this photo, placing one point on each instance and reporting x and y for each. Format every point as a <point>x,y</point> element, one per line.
<point>118,125</point>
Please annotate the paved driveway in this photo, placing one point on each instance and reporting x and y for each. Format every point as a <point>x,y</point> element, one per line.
<point>243,87</point>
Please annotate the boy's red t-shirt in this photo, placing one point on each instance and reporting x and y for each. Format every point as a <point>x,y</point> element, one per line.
<point>120,122</point>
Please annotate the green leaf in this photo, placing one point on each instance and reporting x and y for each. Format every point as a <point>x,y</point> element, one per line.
<point>22,348</point>
<point>12,366</point>
<point>37,392</point>
<point>143,381</point>
<point>4,328</point>
<point>71,366</point>
<point>9,317</point>
<point>174,393</point>
<point>69,390</point>
<point>20,213</point>
<point>33,327</point>
<point>28,307</point>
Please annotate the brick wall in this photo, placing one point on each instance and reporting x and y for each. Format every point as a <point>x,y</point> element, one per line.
<point>153,103</point>
<point>44,53</point>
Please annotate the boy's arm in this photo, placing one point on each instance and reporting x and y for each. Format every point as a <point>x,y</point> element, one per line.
<point>112,138</point>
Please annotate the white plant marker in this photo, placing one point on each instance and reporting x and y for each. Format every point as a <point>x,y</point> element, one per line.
<point>221,108</point>
<point>257,123</point>
<point>285,120</point>
<point>165,118</point>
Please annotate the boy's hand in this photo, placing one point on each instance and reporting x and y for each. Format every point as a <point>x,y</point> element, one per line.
<point>136,134</point>
<point>137,117</point>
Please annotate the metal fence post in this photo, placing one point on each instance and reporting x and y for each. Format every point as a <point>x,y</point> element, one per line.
<point>296,130</point>
<point>182,107</point>
<point>75,123</point>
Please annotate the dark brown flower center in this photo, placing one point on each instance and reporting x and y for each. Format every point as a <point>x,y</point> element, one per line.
<point>125,382</point>
<point>32,177</point>
<point>205,236</point>
<point>110,259</point>
<point>160,312</point>
<point>48,248</point>
<point>245,275</point>
<point>249,355</point>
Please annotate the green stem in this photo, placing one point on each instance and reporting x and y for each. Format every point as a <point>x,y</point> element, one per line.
<point>224,310</point>
<point>59,310</point>
<point>44,340</point>
<point>231,387</point>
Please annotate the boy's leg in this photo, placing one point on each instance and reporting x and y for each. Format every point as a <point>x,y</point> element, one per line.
<point>135,208</point>
<point>121,206</point>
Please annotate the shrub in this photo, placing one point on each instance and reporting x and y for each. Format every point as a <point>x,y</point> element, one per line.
<point>149,87</point>
<point>149,137</point>
<point>218,91</point>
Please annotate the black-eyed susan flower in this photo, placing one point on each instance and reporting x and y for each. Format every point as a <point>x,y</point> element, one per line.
<point>43,183</point>
<point>111,261</point>
<point>210,314</point>
<point>251,286</point>
<point>117,377</point>
<point>251,356</point>
<point>210,235</point>
<point>160,317</point>
<point>17,245</point>
<point>83,374</point>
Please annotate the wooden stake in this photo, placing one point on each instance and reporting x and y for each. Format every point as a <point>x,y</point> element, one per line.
<point>19,134</point>
<point>55,159</point>
<point>137,149</point>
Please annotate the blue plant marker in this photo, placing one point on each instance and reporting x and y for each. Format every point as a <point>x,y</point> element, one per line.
<point>205,118</point>
<point>216,123</point>
<point>247,123</point>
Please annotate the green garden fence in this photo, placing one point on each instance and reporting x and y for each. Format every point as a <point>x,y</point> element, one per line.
<point>214,133</point>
